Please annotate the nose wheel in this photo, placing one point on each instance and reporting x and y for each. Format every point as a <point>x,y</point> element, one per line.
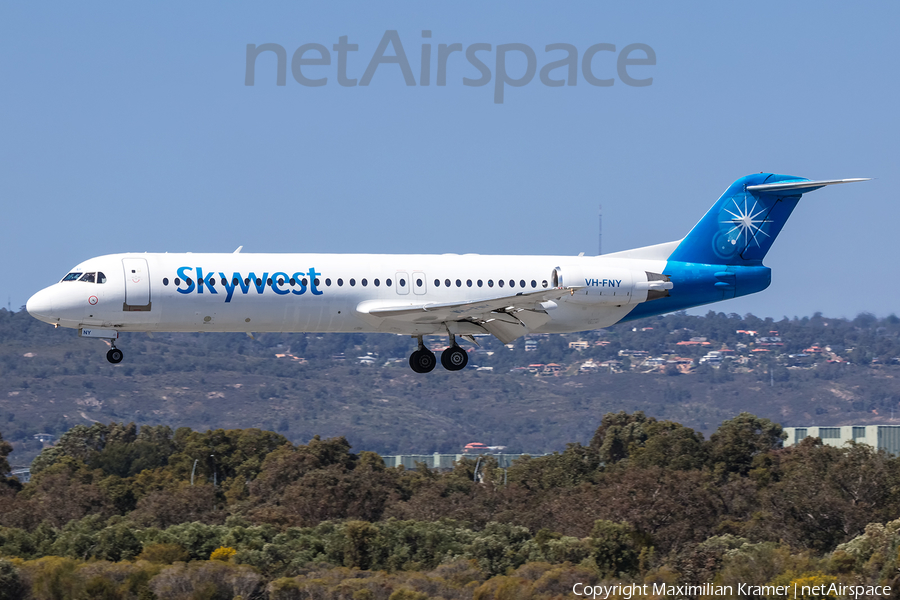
<point>114,356</point>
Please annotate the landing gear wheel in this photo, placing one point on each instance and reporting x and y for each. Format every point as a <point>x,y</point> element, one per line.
<point>454,358</point>
<point>115,356</point>
<point>422,361</point>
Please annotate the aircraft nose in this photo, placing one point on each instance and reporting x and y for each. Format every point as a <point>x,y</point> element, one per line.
<point>40,306</point>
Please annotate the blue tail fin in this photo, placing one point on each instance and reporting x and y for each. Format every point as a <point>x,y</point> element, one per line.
<point>740,228</point>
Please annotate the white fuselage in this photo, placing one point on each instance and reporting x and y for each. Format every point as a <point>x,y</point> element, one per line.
<point>334,292</point>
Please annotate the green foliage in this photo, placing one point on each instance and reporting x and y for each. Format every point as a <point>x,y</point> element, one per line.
<point>618,434</point>
<point>573,466</point>
<point>11,586</point>
<point>164,554</point>
<point>648,498</point>
<point>740,441</point>
<point>207,579</point>
<point>5,449</point>
<point>615,549</point>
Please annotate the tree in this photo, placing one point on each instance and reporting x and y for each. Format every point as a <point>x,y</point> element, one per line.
<point>615,549</point>
<point>618,433</point>
<point>739,441</point>
<point>11,586</point>
<point>5,449</point>
<point>646,441</point>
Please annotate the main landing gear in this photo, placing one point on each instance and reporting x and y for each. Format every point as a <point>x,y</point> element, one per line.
<point>453,358</point>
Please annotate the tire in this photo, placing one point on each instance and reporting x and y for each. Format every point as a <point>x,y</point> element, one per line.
<point>422,361</point>
<point>414,361</point>
<point>115,356</point>
<point>454,358</point>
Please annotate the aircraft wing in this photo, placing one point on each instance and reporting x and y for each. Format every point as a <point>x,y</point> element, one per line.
<point>505,317</point>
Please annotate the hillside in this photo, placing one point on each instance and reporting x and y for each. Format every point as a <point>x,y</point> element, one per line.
<point>51,380</point>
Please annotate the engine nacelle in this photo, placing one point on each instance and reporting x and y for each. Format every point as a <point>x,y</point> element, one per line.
<point>616,286</point>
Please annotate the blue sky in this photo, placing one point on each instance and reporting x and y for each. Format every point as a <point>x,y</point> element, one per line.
<point>128,127</point>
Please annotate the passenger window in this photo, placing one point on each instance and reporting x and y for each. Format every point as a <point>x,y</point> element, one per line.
<point>224,281</point>
<point>177,281</point>
<point>500,282</point>
<point>544,283</point>
<point>402,283</point>
<point>235,281</point>
<point>437,283</point>
<point>458,283</point>
<point>364,282</point>
<point>293,282</point>
<point>479,283</point>
<point>352,281</point>
<point>377,283</point>
<point>303,282</point>
<point>490,283</point>
<point>447,282</point>
<point>316,281</point>
<point>419,282</point>
<point>512,283</point>
<point>101,278</point>
<point>387,282</point>
<point>533,283</point>
<point>469,282</point>
<point>522,283</point>
<point>88,278</point>
<point>328,281</point>
<point>340,282</point>
<point>212,282</point>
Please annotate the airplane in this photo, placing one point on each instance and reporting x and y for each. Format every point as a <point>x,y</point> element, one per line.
<point>461,296</point>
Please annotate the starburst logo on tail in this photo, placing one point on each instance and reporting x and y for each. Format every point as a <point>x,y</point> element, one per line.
<point>746,223</point>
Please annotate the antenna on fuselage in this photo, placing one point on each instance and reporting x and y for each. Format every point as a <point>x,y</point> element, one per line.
<point>238,251</point>
<point>600,234</point>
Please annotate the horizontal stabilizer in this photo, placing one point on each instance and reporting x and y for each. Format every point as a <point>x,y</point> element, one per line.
<point>799,185</point>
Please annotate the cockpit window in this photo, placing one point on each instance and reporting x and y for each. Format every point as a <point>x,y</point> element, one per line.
<point>101,278</point>
<point>72,277</point>
<point>88,278</point>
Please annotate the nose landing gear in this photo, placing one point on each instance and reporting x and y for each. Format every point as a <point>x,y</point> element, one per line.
<point>114,355</point>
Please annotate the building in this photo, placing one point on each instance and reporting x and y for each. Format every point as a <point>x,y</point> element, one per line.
<point>446,461</point>
<point>881,437</point>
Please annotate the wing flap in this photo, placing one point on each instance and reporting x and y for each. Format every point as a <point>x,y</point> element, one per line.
<point>433,311</point>
<point>506,317</point>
